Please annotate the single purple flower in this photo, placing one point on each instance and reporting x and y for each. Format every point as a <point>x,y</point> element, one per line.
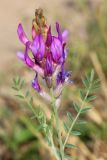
<point>56,49</point>
<point>35,84</point>
<point>28,61</point>
<point>48,70</point>
<point>38,47</point>
<point>63,77</point>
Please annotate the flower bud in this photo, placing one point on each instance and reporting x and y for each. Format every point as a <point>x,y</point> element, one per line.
<point>35,84</point>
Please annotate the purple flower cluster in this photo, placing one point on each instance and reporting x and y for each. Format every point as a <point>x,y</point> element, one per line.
<point>49,53</point>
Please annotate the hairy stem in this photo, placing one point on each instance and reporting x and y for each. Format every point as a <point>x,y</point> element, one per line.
<point>58,126</point>
<point>53,147</point>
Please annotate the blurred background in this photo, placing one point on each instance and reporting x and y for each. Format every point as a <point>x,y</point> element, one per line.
<point>86,21</point>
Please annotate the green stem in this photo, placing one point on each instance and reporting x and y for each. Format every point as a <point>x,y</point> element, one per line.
<point>57,126</point>
<point>77,116</point>
<point>59,133</point>
<point>53,147</point>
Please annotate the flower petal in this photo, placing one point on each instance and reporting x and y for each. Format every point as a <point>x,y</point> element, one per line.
<point>56,49</point>
<point>49,37</point>
<point>63,76</point>
<point>20,55</point>
<point>65,36</point>
<point>22,36</point>
<point>28,60</point>
<point>59,32</point>
<point>25,57</point>
<point>38,47</point>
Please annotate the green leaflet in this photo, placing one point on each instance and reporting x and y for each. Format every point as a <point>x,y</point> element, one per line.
<point>81,122</point>
<point>76,133</point>
<point>20,96</point>
<point>70,116</point>
<point>27,94</point>
<point>90,98</point>
<point>76,107</point>
<point>85,109</point>
<point>70,146</point>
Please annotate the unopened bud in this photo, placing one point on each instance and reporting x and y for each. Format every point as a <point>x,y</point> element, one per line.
<point>39,23</point>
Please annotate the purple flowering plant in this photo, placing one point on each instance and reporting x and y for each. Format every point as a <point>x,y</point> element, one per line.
<point>47,60</point>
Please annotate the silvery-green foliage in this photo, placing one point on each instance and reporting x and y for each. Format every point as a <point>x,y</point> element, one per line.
<point>51,127</point>
<point>86,96</point>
